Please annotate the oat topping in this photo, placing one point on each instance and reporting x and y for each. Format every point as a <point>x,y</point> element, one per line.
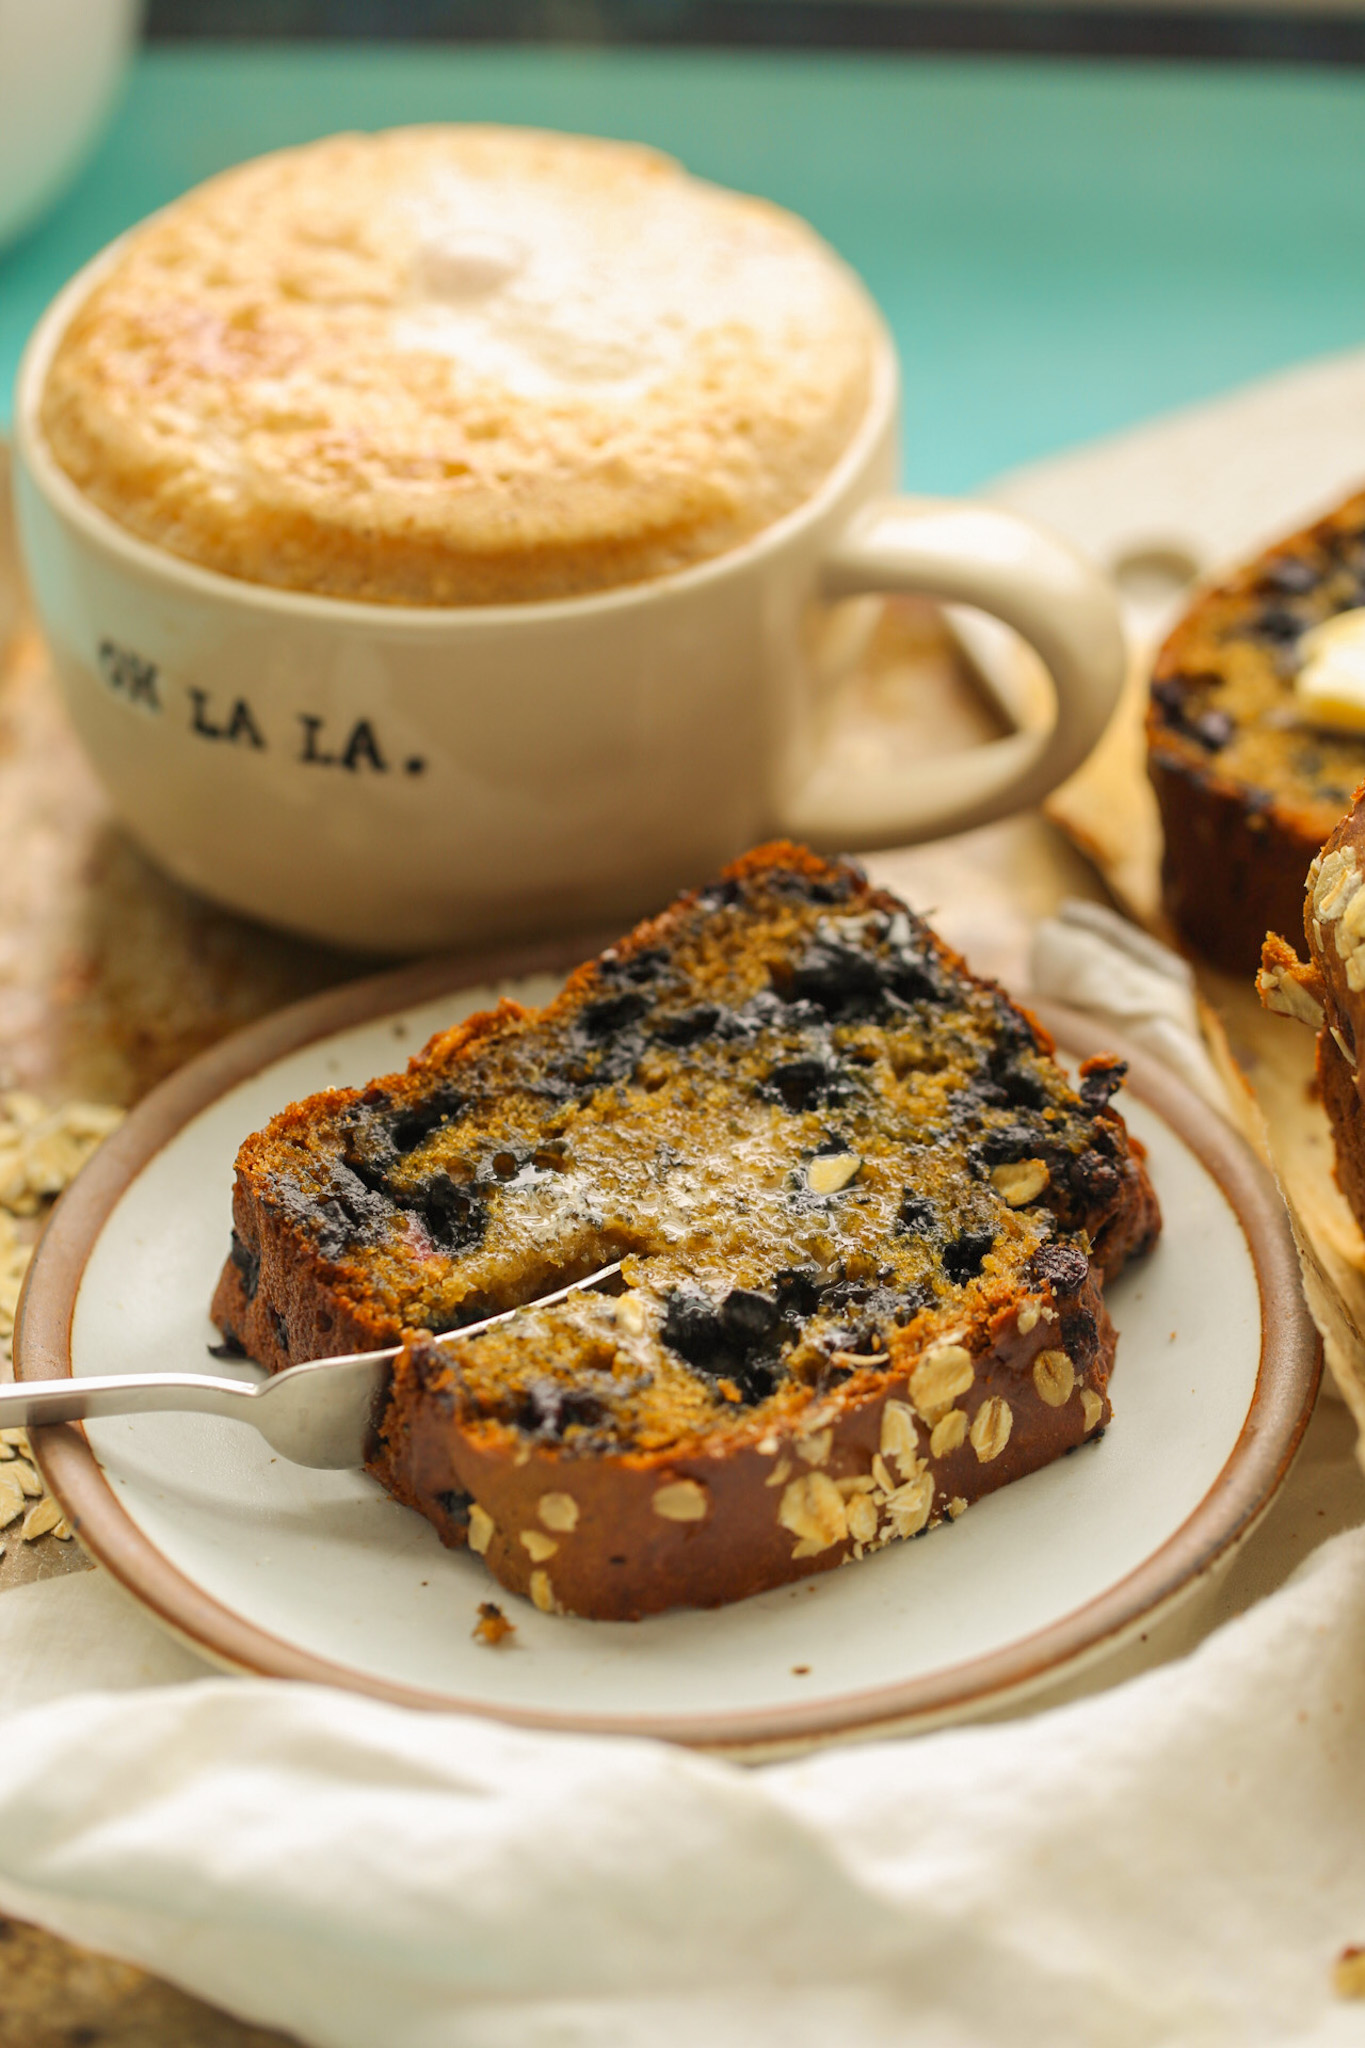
<point>1342,1047</point>
<point>1020,1182</point>
<point>862,1519</point>
<point>1334,884</point>
<point>1282,987</point>
<point>909,1506</point>
<point>948,1433</point>
<point>991,1426</point>
<point>813,1509</point>
<point>558,1511</point>
<point>682,1500</point>
<point>815,1449</point>
<point>939,1378</point>
<point>899,1434</point>
<point>832,1171</point>
<point>1054,1376</point>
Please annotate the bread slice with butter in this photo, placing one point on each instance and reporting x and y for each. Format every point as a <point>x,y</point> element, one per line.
<point>1256,736</point>
<point>864,1219</point>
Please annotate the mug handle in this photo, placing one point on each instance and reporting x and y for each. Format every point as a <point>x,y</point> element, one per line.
<point>977,555</point>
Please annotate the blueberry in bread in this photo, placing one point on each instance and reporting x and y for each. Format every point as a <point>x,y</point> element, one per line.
<point>864,1217</point>
<point>1248,782</point>
<point>1328,991</point>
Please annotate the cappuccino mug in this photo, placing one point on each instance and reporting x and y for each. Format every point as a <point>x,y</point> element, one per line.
<point>402,776</point>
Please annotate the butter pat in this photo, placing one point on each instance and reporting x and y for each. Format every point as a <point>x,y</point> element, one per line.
<point>1330,685</point>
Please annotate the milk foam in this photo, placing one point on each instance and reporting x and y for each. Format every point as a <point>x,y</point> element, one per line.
<point>457,366</point>
<point>534,290</point>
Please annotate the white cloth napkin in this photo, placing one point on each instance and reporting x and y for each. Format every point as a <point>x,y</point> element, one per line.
<point>1095,960</point>
<point>1177,1860</point>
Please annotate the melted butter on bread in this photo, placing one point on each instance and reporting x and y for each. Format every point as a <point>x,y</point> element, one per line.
<point>1330,685</point>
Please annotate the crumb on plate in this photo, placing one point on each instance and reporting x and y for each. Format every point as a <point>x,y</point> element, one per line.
<point>1348,1973</point>
<point>492,1626</point>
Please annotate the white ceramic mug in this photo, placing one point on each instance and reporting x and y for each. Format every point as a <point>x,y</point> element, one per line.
<point>61,63</point>
<point>401,778</point>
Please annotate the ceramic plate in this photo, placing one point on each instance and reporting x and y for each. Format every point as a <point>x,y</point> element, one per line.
<point>267,1567</point>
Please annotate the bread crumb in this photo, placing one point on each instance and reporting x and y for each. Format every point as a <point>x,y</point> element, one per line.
<point>1348,1972</point>
<point>492,1626</point>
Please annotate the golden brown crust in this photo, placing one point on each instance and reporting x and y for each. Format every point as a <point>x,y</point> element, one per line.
<point>1247,790</point>
<point>1334,927</point>
<point>690,1487</point>
<point>1328,992</point>
<point>621,1559</point>
<point>1229,872</point>
<point>1339,1083</point>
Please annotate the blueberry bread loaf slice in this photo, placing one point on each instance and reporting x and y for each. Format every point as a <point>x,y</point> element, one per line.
<point>1328,991</point>
<point>864,1220</point>
<point>1249,781</point>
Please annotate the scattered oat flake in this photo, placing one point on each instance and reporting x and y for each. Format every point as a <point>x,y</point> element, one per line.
<point>1348,1973</point>
<point>43,1516</point>
<point>492,1626</point>
<point>42,1149</point>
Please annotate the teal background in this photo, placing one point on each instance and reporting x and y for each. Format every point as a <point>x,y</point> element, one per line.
<point>1061,247</point>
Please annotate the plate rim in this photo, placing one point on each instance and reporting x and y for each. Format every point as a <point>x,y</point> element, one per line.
<point>1288,1374</point>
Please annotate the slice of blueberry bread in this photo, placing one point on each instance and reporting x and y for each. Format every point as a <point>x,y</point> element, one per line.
<point>864,1219</point>
<point>1328,992</point>
<point>1248,784</point>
